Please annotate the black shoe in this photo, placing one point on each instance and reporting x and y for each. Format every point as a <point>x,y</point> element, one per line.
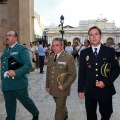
<point>42,72</point>
<point>35,118</point>
<point>28,72</point>
<point>66,117</point>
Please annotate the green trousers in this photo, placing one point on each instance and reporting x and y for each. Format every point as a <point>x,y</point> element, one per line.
<point>61,110</point>
<point>11,102</point>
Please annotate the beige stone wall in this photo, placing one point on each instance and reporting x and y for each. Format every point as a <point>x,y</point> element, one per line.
<point>17,15</point>
<point>32,20</point>
<point>3,25</point>
<point>13,16</point>
<point>26,24</point>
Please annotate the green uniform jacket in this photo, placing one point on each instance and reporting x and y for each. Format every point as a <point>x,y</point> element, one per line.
<point>21,54</point>
<point>64,64</point>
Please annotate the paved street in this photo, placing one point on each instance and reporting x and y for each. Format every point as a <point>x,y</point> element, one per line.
<point>46,104</point>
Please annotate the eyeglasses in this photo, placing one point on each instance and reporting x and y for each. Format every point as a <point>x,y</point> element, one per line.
<point>10,35</point>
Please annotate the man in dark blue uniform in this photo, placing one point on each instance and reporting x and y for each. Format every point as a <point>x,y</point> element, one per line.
<point>15,65</point>
<point>98,70</point>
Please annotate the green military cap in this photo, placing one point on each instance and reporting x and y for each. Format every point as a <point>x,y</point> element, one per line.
<point>105,69</point>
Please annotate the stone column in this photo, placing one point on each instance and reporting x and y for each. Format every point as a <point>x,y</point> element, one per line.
<point>17,15</point>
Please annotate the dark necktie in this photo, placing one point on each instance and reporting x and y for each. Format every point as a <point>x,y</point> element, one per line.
<point>8,49</point>
<point>55,57</point>
<point>95,52</point>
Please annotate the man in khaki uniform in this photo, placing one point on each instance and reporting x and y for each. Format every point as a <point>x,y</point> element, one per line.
<point>61,66</point>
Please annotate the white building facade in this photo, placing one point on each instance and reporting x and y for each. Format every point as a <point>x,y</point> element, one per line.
<point>38,25</point>
<point>81,32</point>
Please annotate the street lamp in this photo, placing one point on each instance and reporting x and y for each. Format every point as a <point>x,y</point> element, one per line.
<point>62,21</point>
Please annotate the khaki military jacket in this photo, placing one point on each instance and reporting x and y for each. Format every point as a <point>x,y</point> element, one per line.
<point>64,64</point>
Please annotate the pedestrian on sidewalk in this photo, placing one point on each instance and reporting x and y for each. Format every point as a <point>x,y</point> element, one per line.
<point>61,73</point>
<point>15,65</point>
<point>98,70</point>
<point>69,48</point>
<point>41,52</point>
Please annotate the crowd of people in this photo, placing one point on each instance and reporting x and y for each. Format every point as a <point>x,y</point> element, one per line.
<point>77,47</point>
<point>74,49</point>
<point>39,53</point>
<point>98,69</point>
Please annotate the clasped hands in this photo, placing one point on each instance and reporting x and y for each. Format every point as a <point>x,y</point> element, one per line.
<point>9,73</point>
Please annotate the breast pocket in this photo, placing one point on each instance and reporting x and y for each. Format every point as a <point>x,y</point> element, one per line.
<point>89,66</point>
<point>61,66</point>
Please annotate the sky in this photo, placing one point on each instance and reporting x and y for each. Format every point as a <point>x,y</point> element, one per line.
<point>76,10</point>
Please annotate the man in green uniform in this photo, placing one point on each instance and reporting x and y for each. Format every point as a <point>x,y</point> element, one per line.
<point>15,65</point>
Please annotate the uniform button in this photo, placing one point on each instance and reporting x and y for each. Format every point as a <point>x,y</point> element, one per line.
<point>52,81</point>
<point>96,63</point>
<point>5,57</point>
<point>52,72</point>
<point>96,75</point>
<point>3,67</point>
<point>53,67</point>
<point>3,62</point>
<point>52,76</point>
<point>96,69</point>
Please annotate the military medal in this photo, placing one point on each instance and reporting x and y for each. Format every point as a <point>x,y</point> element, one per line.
<point>89,66</point>
<point>87,58</point>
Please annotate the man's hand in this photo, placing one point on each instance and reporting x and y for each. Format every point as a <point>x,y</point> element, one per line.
<point>60,86</point>
<point>11,73</point>
<point>100,84</point>
<point>81,95</point>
